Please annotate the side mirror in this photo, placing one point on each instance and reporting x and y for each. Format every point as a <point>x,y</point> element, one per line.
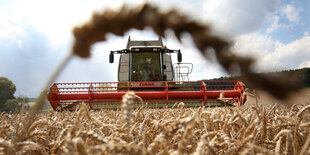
<point>179,56</point>
<point>111,58</point>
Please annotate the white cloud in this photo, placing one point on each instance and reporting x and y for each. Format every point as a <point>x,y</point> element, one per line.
<point>306,33</point>
<point>272,55</point>
<point>254,45</point>
<point>239,16</point>
<point>304,65</point>
<point>276,25</point>
<point>10,29</point>
<point>291,13</point>
<point>57,18</point>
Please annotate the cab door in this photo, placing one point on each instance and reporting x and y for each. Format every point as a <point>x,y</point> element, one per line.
<point>168,69</point>
<point>123,70</point>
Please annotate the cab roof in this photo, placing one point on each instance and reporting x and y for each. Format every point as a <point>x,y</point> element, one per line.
<point>144,43</point>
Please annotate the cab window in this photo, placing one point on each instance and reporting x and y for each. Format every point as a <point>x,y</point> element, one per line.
<point>146,66</point>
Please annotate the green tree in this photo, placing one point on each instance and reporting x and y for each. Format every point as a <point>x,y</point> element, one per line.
<point>11,105</point>
<point>7,90</point>
<point>14,105</point>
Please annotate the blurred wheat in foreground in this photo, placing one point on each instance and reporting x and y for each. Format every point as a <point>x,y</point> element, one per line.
<point>255,130</point>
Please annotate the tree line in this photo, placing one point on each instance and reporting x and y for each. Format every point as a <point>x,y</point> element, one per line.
<point>8,102</point>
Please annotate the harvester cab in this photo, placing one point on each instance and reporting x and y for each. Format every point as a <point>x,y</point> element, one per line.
<point>147,61</point>
<point>146,68</point>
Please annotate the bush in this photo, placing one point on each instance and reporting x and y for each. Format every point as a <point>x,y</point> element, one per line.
<point>7,90</point>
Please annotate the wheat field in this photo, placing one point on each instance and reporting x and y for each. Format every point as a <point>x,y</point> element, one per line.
<point>255,129</point>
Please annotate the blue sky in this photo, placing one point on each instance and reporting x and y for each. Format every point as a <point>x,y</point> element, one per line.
<point>35,35</point>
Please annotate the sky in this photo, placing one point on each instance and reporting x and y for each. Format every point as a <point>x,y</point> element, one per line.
<point>36,35</point>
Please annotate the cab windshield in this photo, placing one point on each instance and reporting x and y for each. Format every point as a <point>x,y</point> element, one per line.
<point>146,66</point>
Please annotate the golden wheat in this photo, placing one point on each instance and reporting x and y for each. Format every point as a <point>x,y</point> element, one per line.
<point>253,130</point>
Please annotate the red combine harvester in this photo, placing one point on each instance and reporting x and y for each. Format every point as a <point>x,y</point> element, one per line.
<point>146,68</point>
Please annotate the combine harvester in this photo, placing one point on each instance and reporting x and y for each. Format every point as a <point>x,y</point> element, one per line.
<point>146,68</point>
